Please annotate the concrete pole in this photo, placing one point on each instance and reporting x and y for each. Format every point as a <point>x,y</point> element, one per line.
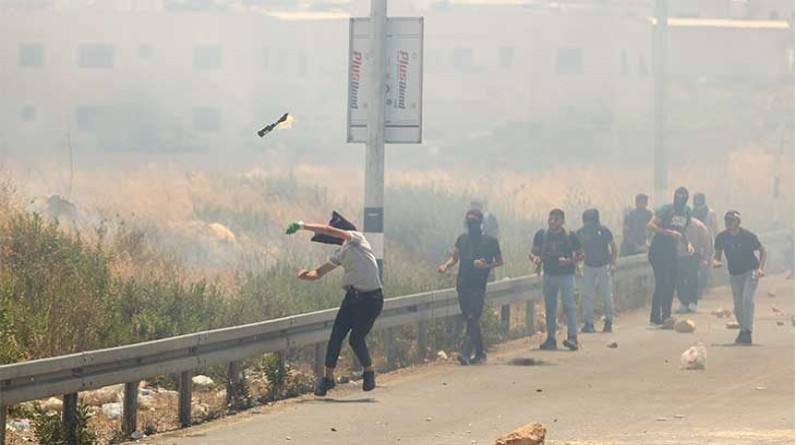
<point>660,80</point>
<point>374,156</point>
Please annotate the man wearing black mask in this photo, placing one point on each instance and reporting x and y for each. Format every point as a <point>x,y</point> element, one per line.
<point>599,265</point>
<point>477,254</point>
<point>668,226</point>
<point>363,300</point>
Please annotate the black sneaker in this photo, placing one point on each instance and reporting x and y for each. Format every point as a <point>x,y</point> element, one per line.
<point>463,360</point>
<point>548,345</point>
<point>608,326</point>
<point>368,381</point>
<point>571,344</point>
<point>744,338</point>
<point>479,358</point>
<point>588,328</point>
<point>322,385</point>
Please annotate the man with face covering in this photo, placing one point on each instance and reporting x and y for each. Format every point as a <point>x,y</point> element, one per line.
<point>599,265</point>
<point>668,225</point>
<point>708,217</point>
<point>745,270</point>
<point>477,254</point>
<point>558,251</point>
<point>363,300</point>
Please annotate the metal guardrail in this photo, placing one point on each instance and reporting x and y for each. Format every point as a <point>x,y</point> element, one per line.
<point>67,375</point>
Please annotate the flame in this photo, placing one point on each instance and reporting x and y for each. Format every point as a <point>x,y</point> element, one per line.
<point>287,124</point>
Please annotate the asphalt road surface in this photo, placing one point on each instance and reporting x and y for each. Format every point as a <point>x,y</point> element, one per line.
<point>633,394</point>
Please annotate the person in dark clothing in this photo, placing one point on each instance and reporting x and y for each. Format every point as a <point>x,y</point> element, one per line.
<point>599,265</point>
<point>707,216</point>
<point>363,300</point>
<point>635,236</point>
<point>668,225</point>
<point>558,251</point>
<point>746,269</point>
<point>477,254</point>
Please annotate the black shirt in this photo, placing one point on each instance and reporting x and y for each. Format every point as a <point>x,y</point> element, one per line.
<point>740,250</point>
<point>671,219</point>
<point>595,244</point>
<point>470,249</point>
<point>553,245</point>
<point>635,231</point>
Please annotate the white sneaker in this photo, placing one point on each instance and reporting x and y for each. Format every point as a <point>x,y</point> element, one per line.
<point>692,307</point>
<point>682,309</point>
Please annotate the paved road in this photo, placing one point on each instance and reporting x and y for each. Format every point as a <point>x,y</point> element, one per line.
<point>635,394</point>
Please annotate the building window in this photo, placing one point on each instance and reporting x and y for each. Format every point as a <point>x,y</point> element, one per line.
<point>569,61</point>
<point>207,120</point>
<point>28,113</point>
<point>145,52</point>
<point>31,55</point>
<point>506,57</point>
<point>95,56</point>
<point>643,71</point>
<point>625,64</point>
<point>87,118</point>
<point>462,59</point>
<point>207,57</point>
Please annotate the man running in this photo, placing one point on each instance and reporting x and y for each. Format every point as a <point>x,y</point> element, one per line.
<point>558,251</point>
<point>363,300</point>
<point>745,270</point>
<point>477,254</point>
<point>599,265</point>
<point>668,225</point>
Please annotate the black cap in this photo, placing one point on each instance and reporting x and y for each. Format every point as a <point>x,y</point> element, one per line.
<point>338,221</point>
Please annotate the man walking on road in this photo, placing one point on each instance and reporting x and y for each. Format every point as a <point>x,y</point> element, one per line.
<point>558,251</point>
<point>745,270</point>
<point>692,256</point>
<point>668,225</point>
<point>477,254</point>
<point>708,217</point>
<point>635,237</point>
<point>363,300</point>
<point>599,266</point>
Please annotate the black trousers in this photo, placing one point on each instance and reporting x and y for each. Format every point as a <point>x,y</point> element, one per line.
<point>357,314</point>
<point>471,302</point>
<point>688,279</point>
<point>664,266</point>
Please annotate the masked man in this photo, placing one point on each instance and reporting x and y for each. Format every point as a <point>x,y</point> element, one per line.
<point>477,254</point>
<point>668,225</point>
<point>363,300</point>
<point>599,265</point>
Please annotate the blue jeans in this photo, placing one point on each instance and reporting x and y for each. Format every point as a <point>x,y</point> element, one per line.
<point>599,279</point>
<point>551,285</point>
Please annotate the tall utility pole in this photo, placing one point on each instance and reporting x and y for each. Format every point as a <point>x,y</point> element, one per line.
<point>660,87</point>
<point>373,217</point>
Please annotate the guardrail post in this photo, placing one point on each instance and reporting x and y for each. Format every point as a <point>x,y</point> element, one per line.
<point>318,365</point>
<point>421,341</point>
<point>69,414</point>
<point>280,355</point>
<point>505,316</point>
<point>185,398</point>
<point>530,313</point>
<point>130,412</point>
<point>389,346</point>
<point>235,390</point>
<point>3,411</point>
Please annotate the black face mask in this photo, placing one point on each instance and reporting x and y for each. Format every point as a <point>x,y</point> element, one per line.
<point>474,228</point>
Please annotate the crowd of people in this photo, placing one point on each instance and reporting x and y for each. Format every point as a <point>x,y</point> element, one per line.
<point>682,243</point>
